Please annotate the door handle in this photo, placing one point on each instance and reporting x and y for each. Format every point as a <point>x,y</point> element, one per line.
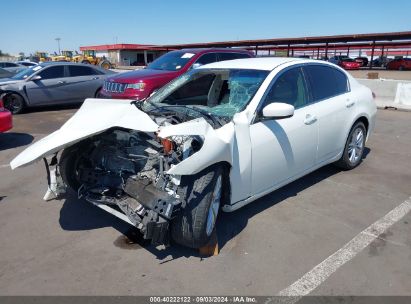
<point>310,119</point>
<point>349,103</point>
<point>61,82</point>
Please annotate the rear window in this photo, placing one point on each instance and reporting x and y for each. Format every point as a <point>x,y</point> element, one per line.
<point>326,82</point>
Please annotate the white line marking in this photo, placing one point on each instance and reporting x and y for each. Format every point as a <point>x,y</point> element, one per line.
<point>316,276</point>
<point>5,166</point>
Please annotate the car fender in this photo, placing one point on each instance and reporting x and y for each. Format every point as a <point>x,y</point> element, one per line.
<point>230,143</point>
<point>95,116</point>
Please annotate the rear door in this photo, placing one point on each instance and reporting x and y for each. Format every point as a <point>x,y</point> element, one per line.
<point>330,91</point>
<point>84,82</point>
<point>52,88</point>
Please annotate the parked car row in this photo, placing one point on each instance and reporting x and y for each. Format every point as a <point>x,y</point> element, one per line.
<point>56,83</point>
<point>347,63</point>
<point>52,84</point>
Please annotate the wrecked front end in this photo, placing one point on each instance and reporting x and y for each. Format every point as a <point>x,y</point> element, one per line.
<point>127,162</point>
<point>126,172</point>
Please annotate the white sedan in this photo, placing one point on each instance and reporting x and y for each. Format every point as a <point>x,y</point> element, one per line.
<point>218,137</point>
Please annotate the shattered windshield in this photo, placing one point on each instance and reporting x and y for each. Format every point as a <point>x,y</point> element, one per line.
<point>218,92</point>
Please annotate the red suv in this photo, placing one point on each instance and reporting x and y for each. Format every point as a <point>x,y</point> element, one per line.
<point>139,84</point>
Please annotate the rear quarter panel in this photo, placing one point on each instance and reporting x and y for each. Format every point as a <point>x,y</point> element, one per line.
<point>364,105</point>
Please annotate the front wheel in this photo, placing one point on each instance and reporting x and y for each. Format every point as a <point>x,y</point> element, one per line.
<point>14,103</point>
<point>354,147</point>
<point>202,194</point>
<point>105,64</point>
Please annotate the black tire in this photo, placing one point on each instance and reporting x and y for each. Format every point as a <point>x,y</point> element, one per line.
<point>347,162</point>
<point>14,103</point>
<point>189,228</point>
<point>401,68</point>
<point>85,62</point>
<point>67,167</point>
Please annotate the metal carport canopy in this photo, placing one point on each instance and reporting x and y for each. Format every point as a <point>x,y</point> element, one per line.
<point>392,36</point>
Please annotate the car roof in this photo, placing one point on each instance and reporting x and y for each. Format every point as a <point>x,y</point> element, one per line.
<point>266,64</point>
<point>47,63</point>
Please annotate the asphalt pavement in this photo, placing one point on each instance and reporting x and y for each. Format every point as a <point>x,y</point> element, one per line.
<point>318,229</point>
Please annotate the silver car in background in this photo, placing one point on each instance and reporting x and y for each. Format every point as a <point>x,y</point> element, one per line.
<point>12,66</point>
<point>52,83</point>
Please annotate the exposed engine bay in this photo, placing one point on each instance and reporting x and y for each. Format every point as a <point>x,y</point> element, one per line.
<point>125,169</point>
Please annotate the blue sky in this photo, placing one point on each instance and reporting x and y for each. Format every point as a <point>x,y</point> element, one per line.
<point>33,25</point>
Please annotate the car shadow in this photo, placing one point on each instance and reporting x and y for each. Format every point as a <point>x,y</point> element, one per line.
<point>77,215</point>
<point>12,140</point>
<point>47,108</point>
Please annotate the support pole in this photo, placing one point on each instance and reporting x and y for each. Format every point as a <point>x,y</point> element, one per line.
<point>372,54</point>
<point>288,50</point>
<point>326,51</point>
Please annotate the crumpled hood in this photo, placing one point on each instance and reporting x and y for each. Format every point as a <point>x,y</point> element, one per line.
<point>94,117</point>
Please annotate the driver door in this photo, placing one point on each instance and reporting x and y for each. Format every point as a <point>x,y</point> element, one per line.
<point>284,149</point>
<point>52,88</point>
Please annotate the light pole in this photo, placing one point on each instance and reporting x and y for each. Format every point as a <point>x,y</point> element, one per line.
<point>58,43</point>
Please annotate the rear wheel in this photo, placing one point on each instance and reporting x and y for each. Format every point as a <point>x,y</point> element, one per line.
<point>14,103</point>
<point>354,147</point>
<point>401,68</point>
<point>202,193</point>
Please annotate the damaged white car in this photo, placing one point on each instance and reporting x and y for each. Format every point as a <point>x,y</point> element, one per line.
<point>218,137</point>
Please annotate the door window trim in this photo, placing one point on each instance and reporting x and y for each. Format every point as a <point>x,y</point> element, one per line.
<point>273,81</point>
<point>307,84</point>
<point>65,71</point>
<point>330,67</point>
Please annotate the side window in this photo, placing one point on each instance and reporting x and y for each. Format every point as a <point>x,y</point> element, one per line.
<point>231,56</point>
<point>10,65</point>
<point>207,58</point>
<point>326,82</point>
<point>52,72</point>
<point>289,88</point>
<point>81,71</point>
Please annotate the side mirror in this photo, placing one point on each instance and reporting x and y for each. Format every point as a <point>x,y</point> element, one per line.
<point>278,110</point>
<point>35,78</point>
<point>196,65</point>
